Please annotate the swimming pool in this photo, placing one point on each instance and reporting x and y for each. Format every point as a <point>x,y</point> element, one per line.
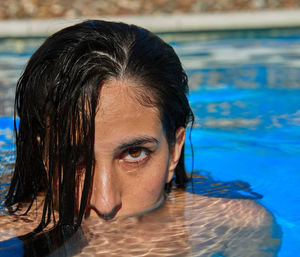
<point>245,92</point>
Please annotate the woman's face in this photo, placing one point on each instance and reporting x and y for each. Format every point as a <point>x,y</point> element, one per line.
<point>133,160</point>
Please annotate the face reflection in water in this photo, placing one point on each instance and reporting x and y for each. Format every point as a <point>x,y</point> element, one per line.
<point>133,160</point>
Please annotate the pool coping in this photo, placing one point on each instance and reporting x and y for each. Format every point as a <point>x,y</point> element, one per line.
<point>164,23</point>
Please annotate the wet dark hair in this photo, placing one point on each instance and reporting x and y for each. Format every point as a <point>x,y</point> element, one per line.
<point>56,100</point>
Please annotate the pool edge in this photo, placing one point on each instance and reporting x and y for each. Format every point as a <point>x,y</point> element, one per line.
<point>164,23</point>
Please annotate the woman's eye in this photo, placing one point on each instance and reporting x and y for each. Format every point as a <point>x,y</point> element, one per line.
<point>135,155</point>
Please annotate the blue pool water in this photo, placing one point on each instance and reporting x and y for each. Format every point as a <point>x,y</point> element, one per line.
<point>246,97</point>
<point>245,92</point>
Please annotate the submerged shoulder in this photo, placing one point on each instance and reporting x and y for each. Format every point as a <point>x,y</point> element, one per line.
<point>17,224</point>
<point>237,227</point>
<point>236,212</point>
<point>13,225</point>
<point>248,213</point>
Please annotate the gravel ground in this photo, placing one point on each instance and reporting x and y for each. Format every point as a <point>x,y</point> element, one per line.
<point>40,9</point>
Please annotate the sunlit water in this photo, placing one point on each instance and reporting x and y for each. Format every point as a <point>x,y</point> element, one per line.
<point>245,92</point>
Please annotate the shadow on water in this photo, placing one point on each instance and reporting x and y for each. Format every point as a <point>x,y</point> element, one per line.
<point>204,184</point>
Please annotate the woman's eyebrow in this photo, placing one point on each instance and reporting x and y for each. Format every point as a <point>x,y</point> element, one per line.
<point>136,142</point>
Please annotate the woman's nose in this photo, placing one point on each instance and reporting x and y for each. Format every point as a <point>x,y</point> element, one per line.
<point>106,196</point>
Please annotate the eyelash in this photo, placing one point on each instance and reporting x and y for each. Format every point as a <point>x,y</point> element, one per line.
<point>146,153</point>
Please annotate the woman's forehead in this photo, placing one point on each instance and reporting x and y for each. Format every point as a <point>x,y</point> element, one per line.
<point>123,97</point>
<point>120,116</point>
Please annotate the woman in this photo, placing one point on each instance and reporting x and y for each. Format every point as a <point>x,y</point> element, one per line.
<point>103,112</point>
